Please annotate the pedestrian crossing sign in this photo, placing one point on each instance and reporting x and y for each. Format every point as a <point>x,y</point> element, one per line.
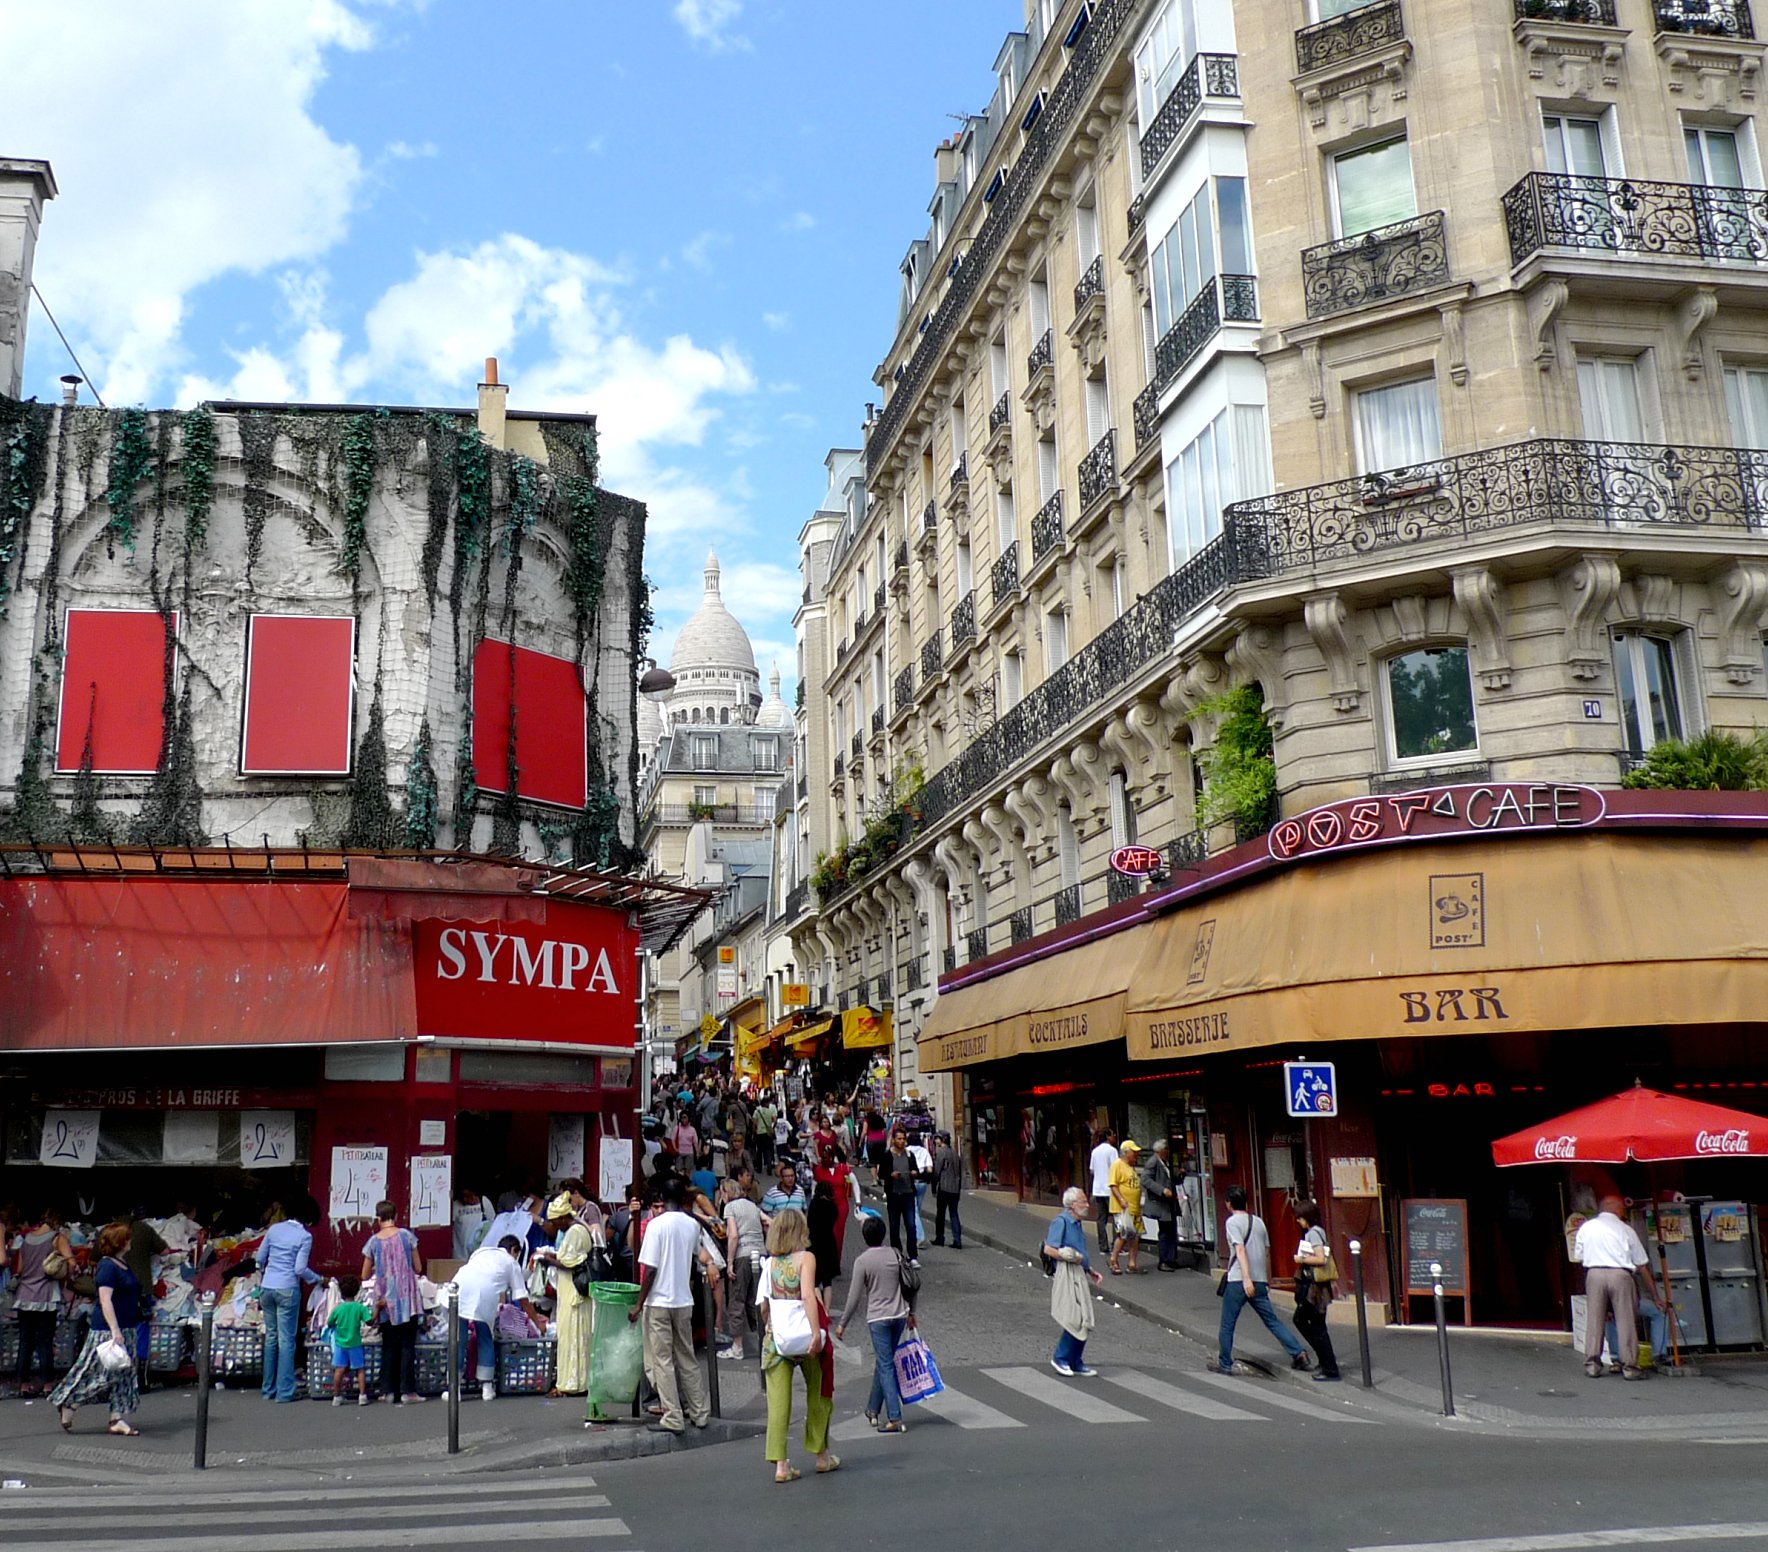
<point>1310,1088</point>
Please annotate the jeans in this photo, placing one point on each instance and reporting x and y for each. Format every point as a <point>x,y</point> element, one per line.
<point>399,1358</point>
<point>36,1339</point>
<point>1234,1299</point>
<point>478,1351</point>
<point>945,1202</point>
<point>886,1397</point>
<point>282,1322</point>
<point>1169,1241</point>
<point>920,1196</point>
<point>1070,1350</point>
<point>902,1215</point>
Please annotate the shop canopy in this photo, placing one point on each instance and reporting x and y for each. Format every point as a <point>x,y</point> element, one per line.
<point>1639,1124</point>
<point>809,1034</point>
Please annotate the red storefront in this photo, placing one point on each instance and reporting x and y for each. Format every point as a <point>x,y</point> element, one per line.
<point>226,1029</point>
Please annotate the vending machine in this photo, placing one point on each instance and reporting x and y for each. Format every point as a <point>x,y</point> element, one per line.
<point>1715,1269</point>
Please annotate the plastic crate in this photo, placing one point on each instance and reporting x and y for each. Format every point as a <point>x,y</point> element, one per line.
<point>432,1368</point>
<point>526,1367</point>
<point>8,1348</point>
<point>168,1346</point>
<point>319,1368</point>
<point>237,1353</point>
<point>70,1335</point>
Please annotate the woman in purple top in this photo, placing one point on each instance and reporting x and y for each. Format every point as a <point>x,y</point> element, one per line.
<point>391,1258</point>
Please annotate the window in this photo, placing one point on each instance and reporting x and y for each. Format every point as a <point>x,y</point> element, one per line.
<point>705,749</point>
<point>113,690</point>
<point>1715,159</point>
<point>1040,308</point>
<point>998,381</point>
<point>1645,682</point>
<point>299,695</point>
<point>1183,262</point>
<point>1233,226</point>
<point>1200,482</point>
<point>960,440</point>
<point>1123,812</point>
<point>1006,520</point>
<point>1325,10</point>
<point>1098,400</point>
<point>1055,640</point>
<point>1720,163</point>
<point>1430,704</point>
<point>1372,187</point>
<point>1397,425</point>
<point>543,696</point>
<point>1746,397</point>
<point>767,754</point>
<point>1012,680</point>
<point>706,797</point>
<point>1087,229</point>
<point>1168,48</point>
<point>1608,391</point>
<point>966,577</point>
<point>1067,847</point>
<point>1575,146</point>
<point>1114,587</point>
<point>1049,470</point>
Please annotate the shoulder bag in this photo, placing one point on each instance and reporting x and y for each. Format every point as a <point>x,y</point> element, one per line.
<point>793,1334</point>
<point>908,1276</point>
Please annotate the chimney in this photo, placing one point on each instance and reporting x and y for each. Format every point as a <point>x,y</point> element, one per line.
<point>493,405</point>
<point>24,186</point>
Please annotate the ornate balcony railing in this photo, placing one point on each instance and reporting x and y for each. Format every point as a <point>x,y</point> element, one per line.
<point>1001,413</point>
<point>1146,413</point>
<point>1098,48</point>
<point>796,901</point>
<point>1707,18</point>
<point>1138,213</point>
<point>1091,282</point>
<point>1230,297</point>
<point>859,747</point>
<point>1098,470</point>
<point>884,987</point>
<point>878,720</point>
<point>914,973</point>
<point>1186,853</point>
<point>932,657</point>
<point>1043,355</point>
<point>1067,905</point>
<point>840,764</point>
<point>1120,887</point>
<point>1593,13</point>
<point>859,625</point>
<point>1003,576</point>
<point>929,518</point>
<point>1350,36</point>
<point>903,693</point>
<point>1019,924</point>
<point>841,652</point>
<point>1046,528</point>
<point>717,813</point>
<point>961,471</point>
<point>1208,75</point>
<point>976,944</point>
<point>1632,216</point>
<point>1549,482</point>
<point>878,600</point>
<point>1375,266</point>
<point>963,622</point>
<point>948,959</point>
<point>901,559</point>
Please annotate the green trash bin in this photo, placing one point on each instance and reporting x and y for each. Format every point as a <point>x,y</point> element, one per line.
<point>617,1356</point>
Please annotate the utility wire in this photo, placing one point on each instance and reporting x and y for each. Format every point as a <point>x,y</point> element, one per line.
<point>64,342</point>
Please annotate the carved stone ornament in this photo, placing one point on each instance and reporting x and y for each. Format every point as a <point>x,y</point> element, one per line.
<point>1546,302</point>
<point>1310,360</point>
<point>1454,343</point>
<point>1257,655</point>
<point>1327,621</point>
<point>1588,589</point>
<point>1579,59</point>
<point>1743,616</point>
<point>1366,90</point>
<point>1719,73</point>
<point>1694,311</point>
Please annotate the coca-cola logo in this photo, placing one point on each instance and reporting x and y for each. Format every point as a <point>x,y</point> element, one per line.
<point>1736,1140</point>
<point>1556,1147</point>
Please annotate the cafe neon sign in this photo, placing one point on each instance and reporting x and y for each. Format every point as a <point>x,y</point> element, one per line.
<point>1434,814</point>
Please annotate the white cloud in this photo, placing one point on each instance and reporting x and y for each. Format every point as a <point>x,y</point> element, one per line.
<point>698,251</point>
<point>708,24</point>
<point>151,209</point>
<point>406,151</point>
<point>798,221</point>
<point>777,321</point>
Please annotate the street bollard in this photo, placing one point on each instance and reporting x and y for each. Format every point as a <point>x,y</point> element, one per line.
<point>1362,1315</point>
<point>711,1348</point>
<point>1442,1324</point>
<point>205,1354</point>
<point>455,1381</point>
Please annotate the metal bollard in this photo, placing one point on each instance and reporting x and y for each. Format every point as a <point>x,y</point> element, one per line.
<point>711,1348</point>
<point>455,1381</point>
<point>1442,1325</point>
<point>205,1353</point>
<point>1362,1315</point>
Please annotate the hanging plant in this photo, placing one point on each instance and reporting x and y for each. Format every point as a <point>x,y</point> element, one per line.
<point>422,799</point>
<point>356,450</point>
<point>257,443</point>
<point>24,459</point>
<point>200,443</point>
<point>131,458</point>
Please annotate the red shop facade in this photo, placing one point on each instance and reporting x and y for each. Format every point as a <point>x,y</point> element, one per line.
<point>224,1031</point>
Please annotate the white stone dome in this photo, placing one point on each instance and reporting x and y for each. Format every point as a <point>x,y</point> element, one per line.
<point>773,713</point>
<point>712,637</point>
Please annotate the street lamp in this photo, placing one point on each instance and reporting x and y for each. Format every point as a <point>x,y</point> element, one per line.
<point>655,682</point>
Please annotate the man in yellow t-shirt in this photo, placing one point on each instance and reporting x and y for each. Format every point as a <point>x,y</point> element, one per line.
<point>1126,1205</point>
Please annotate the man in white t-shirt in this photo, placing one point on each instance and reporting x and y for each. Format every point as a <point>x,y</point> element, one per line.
<point>1103,1157</point>
<point>666,1303</point>
<point>492,1274</point>
<point>1609,1250</point>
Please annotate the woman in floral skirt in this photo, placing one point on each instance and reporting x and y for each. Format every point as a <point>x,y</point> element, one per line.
<point>119,1310</point>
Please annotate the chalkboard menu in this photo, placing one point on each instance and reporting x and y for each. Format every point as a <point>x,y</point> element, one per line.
<point>1436,1230</point>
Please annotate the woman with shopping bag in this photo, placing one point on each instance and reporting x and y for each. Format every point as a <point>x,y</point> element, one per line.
<point>106,1365</point>
<point>876,1287</point>
<point>796,1337</point>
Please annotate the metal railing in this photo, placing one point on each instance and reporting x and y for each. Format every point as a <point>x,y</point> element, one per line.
<point>1120,887</point>
<point>1594,13</point>
<point>1137,213</point>
<point>963,621</point>
<point>1067,901</point>
<point>797,901</point>
<point>718,813</point>
<point>841,652</point>
<point>932,658</point>
<point>914,974</point>
<point>840,763</point>
<point>1098,471</point>
<point>858,747</point>
<point>1349,36</point>
<point>878,600</point>
<point>1230,297</point>
<point>859,626</point>
<point>1633,216</point>
<point>903,693</point>
<point>976,944</point>
<point>1207,75</point>
<point>961,471</point>
<point>1046,528</point>
<point>1043,355</point>
<point>1091,283</point>
<point>948,959</point>
<point>1375,266</point>
<point>1706,18</point>
<point>1003,576</point>
<point>1001,413</point>
<point>878,720</point>
<point>901,560</point>
<point>1020,924</point>
<point>929,518</point>
<point>1186,853</point>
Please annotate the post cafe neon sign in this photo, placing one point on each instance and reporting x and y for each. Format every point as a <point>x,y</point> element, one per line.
<point>1435,813</point>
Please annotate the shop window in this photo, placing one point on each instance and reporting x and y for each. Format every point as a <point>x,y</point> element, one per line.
<point>552,758</point>
<point>1646,681</point>
<point>1430,704</point>
<point>113,689</point>
<point>378,1063</point>
<point>300,693</point>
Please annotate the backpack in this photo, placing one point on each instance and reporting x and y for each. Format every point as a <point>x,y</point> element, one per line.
<point>908,1276</point>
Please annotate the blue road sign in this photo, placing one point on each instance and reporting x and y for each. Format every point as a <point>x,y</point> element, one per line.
<point>1310,1088</point>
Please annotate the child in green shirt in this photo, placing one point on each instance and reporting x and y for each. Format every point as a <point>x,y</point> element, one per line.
<point>345,1324</point>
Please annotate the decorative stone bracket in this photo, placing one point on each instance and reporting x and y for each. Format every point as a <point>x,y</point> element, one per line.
<point>1584,59</point>
<point>1694,311</point>
<point>1327,621</point>
<point>1481,598</point>
<point>1257,656</point>
<point>1588,589</point>
<point>1743,618</point>
<point>1719,73</point>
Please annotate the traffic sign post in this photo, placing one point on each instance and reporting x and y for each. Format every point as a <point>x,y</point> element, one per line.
<point>1310,1089</point>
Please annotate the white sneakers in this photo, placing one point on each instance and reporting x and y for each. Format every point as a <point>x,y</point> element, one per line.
<point>487,1391</point>
<point>1062,1369</point>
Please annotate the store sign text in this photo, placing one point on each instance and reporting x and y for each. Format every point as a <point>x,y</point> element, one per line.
<point>1178,1033</point>
<point>1736,1140</point>
<point>526,964</point>
<point>1067,1029</point>
<point>1434,814</point>
<point>1547,1148</point>
<point>1454,1005</point>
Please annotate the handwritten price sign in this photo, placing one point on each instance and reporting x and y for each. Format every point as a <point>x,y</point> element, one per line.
<point>70,1139</point>
<point>358,1183</point>
<point>266,1139</point>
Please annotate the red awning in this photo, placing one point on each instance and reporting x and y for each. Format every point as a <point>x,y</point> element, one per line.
<point>1642,1124</point>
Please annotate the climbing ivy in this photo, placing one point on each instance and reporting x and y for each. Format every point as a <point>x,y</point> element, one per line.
<point>257,445</point>
<point>371,823</point>
<point>200,443</point>
<point>24,456</point>
<point>422,800</point>
<point>172,812</point>
<point>131,458</point>
<point>357,452</point>
<point>439,437</point>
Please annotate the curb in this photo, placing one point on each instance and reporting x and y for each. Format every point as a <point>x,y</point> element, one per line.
<point>606,1441</point>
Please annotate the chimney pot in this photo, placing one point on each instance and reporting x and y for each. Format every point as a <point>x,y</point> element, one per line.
<point>491,371</point>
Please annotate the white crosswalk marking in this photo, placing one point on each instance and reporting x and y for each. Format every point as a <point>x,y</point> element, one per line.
<point>156,1518</point>
<point>1266,1395</point>
<point>338,1540</point>
<point>966,1411</point>
<point>1081,1404</point>
<point>1179,1400</point>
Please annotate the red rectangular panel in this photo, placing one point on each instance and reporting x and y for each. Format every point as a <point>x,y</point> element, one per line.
<point>299,695</point>
<point>113,678</point>
<point>552,761</point>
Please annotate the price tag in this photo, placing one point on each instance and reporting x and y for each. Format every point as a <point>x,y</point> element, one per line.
<point>266,1139</point>
<point>70,1139</point>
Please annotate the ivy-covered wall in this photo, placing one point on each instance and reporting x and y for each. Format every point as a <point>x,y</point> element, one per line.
<point>411,522</point>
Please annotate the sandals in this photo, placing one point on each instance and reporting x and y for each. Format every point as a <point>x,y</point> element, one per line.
<point>122,1430</point>
<point>833,1463</point>
<point>792,1475</point>
<point>894,1428</point>
<point>65,1416</point>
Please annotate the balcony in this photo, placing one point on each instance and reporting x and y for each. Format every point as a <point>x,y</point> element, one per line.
<point>1705,18</point>
<point>932,659</point>
<point>1186,853</point>
<point>914,973</point>
<point>803,788</point>
<point>1227,298</point>
<point>1020,924</point>
<point>1633,218</point>
<point>859,626</point>
<point>1138,213</point>
<point>858,748</point>
<point>1067,905</point>
<point>1001,414</point>
<point>716,813</point>
<point>902,695</point>
<point>963,623</point>
<point>796,903</point>
<point>948,959</point>
<point>1350,36</point>
<point>1588,13</point>
<point>1091,283</point>
<point>1120,887</point>
<point>840,765</point>
<point>961,471</point>
<point>877,722</point>
<point>1003,576</point>
<point>1042,357</point>
<point>930,519</point>
<point>1098,471</point>
<point>1208,75</point>
<point>1548,483</point>
<point>840,653</point>
<point>976,945</point>
<point>1376,266</point>
<point>901,560</point>
<point>883,986</point>
<point>1046,529</point>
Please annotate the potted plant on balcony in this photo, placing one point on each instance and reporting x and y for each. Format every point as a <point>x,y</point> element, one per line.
<point>1713,762</point>
<point>698,811</point>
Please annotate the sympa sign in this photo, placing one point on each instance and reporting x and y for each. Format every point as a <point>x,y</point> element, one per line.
<point>1435,814</point>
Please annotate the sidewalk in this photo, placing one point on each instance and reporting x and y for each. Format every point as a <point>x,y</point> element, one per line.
<point>1501,1381</point>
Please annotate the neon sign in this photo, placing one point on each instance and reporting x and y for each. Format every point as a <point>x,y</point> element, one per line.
<point>1435,813</point>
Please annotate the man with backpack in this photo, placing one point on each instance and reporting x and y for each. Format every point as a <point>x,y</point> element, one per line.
<point>1247,1280</point>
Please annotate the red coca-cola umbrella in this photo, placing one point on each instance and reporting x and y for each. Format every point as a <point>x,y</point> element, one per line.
<point>1639,1123</point>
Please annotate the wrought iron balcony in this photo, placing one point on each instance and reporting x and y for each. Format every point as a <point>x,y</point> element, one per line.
<point>1233,298</point>
<point>1098,471</point>
<point>840,764</point>
<point>1593,13</point>
<point>884,987</point>
<point>1120,887</point>
<point>1631,216</point>
<point>961,471</point>
<point>1375,266</point>
<point>1208,75</point>
<point>1020,924</point>
<point>976,945</point>
<point>1043,355</point>
<point>1046,528</point>
<point>796,902</point>
<point>1001,413</point>
<point>1187,853</point>
<point>903,693</point>
<point>1147,414</point>
<point>1707,18</point>
<point>1551,482</point>
<point>963,622</point>
<point>901,561</point>
<point>929,518</point>
<point>878,600</point>
<point>878,720</point>
<point>803,788</point>
<point>1067,905</point>
<point>859,625</point>
<point>841,653</point>
<point>914,974</point>
<point>932,658</point>
<point>1003,577</point>
<point>948,959</point>
<point>1091,283</point>
<point>716,813</point>
<point>1138,213</point>
<point>1340,39</point>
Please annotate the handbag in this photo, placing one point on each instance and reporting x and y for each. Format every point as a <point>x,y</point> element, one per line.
<point>113,1357</point>
<point>794,1336</point>
<point>56,1267</point>
<point>908,1276</point>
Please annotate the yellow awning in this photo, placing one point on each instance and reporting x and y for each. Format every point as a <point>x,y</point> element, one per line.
<point>865,1029</point>
<point>809,1033</point>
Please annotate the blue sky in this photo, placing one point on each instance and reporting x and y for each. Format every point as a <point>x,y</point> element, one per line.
<point>684,215</point>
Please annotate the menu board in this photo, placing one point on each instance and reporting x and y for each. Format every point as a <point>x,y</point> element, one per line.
<point>1436,1230</point>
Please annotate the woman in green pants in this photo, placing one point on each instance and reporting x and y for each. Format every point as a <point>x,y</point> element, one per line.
<point>789,1276</point>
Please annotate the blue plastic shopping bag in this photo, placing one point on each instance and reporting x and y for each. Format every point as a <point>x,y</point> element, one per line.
<point>917,1375</point>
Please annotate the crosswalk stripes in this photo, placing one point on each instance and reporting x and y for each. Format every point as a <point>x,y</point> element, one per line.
<point>1083,1405</point>
<point>1285,1403</point>
<point>1180,1401</point>
<point>967,1412</point>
